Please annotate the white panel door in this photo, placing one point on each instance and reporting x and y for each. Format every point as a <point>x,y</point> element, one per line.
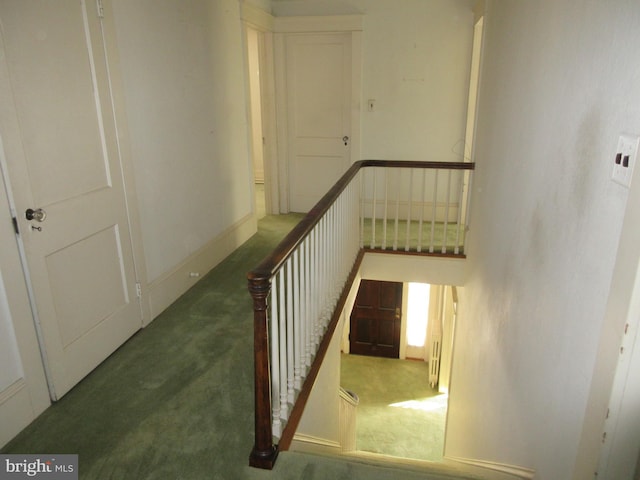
<point>319,114</point>
<point>57,121</point>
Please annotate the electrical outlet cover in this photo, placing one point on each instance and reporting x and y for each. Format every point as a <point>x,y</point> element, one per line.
<point>627,149</point>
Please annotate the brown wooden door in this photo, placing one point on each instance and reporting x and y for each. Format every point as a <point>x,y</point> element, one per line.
<point>375,319</point>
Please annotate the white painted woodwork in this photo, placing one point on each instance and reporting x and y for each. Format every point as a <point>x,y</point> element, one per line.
<point>620,448</point>
<point>409,268</point>
<point>262,22</point>
<point>274,360</point>
<point>318,86</point>
<point>63,156</point>
<point>255,43</point>
<point>304,293</point>
<point>448,330</point>
<point>12,370</point>
<point>424,197</point>
<point>23,388</point>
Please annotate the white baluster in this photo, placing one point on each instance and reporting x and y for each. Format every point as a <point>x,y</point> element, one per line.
<point>295,320</point>
<point>317,294</point>
<point>362,207</point>
<point>339,254</point>
<point>446,213</point>
<point>276,423</point>
<point>354,216</point>
<point>303,309</point>
<point>325,277</point>
<point>326,268</point>
<point>422,204</point>
<point>395,231</point>
<point>461,174</point>
<point>309,317</point>
<point>282,320</point>
<point>335,257</point>
<point>318,290</point>
<point>386,208</point>
<point>329,259</point>
<point>408,234</point>
<point>465,220</point>
<point>290,321</point>
<point>373,211</point>
<point>433,210</point>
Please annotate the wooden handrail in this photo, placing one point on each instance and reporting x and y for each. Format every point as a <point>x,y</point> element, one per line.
<point>271,263</point>
<point>264,452</point>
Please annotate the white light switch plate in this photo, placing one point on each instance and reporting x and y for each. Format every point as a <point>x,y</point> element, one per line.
<point>625,159</point>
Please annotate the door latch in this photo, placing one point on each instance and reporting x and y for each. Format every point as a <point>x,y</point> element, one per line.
<point>38,214</point>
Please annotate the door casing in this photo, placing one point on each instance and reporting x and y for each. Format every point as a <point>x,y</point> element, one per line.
<point>284,26</point>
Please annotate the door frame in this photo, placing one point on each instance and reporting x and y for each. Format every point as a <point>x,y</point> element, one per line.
<point>263,23</point>
<point>622,308</point>
<point>28,396</point>
<point>313,25</point>
<point>125,158</point>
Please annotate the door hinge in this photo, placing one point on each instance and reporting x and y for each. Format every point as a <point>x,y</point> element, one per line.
<point>14,220</point>
<point>138,290</point>
<point>100,8</point>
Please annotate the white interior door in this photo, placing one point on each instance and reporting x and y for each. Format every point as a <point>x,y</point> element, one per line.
<point>57,122</point>
<point>318,79</point>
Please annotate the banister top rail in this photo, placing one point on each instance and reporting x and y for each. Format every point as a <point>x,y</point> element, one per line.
<point>271,263</point>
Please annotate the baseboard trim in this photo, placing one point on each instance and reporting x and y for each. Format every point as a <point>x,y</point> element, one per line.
<point>15,410</point>
<point>511,471</point>
<point>311,444</point>
<point>166,289</point>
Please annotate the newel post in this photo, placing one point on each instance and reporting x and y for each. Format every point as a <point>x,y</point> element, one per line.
<point>264,452</point>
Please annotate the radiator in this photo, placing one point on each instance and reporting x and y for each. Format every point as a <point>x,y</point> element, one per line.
<point>434,361</point>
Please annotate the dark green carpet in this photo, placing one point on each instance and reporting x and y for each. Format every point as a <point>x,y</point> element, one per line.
<point>176,401</point>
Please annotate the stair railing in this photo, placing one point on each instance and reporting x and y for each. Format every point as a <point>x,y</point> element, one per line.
<point>299,290</point>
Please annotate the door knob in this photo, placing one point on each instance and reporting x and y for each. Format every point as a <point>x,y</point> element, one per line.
<point>345,139</point>
<point>38,214</point>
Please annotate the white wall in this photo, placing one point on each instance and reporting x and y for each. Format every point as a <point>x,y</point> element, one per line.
<point>184,85</point>
<point>319,423</point>
<point>406,268</point>
<point>320,419</point>
<point>416,60</point>
<point>559,84</point>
